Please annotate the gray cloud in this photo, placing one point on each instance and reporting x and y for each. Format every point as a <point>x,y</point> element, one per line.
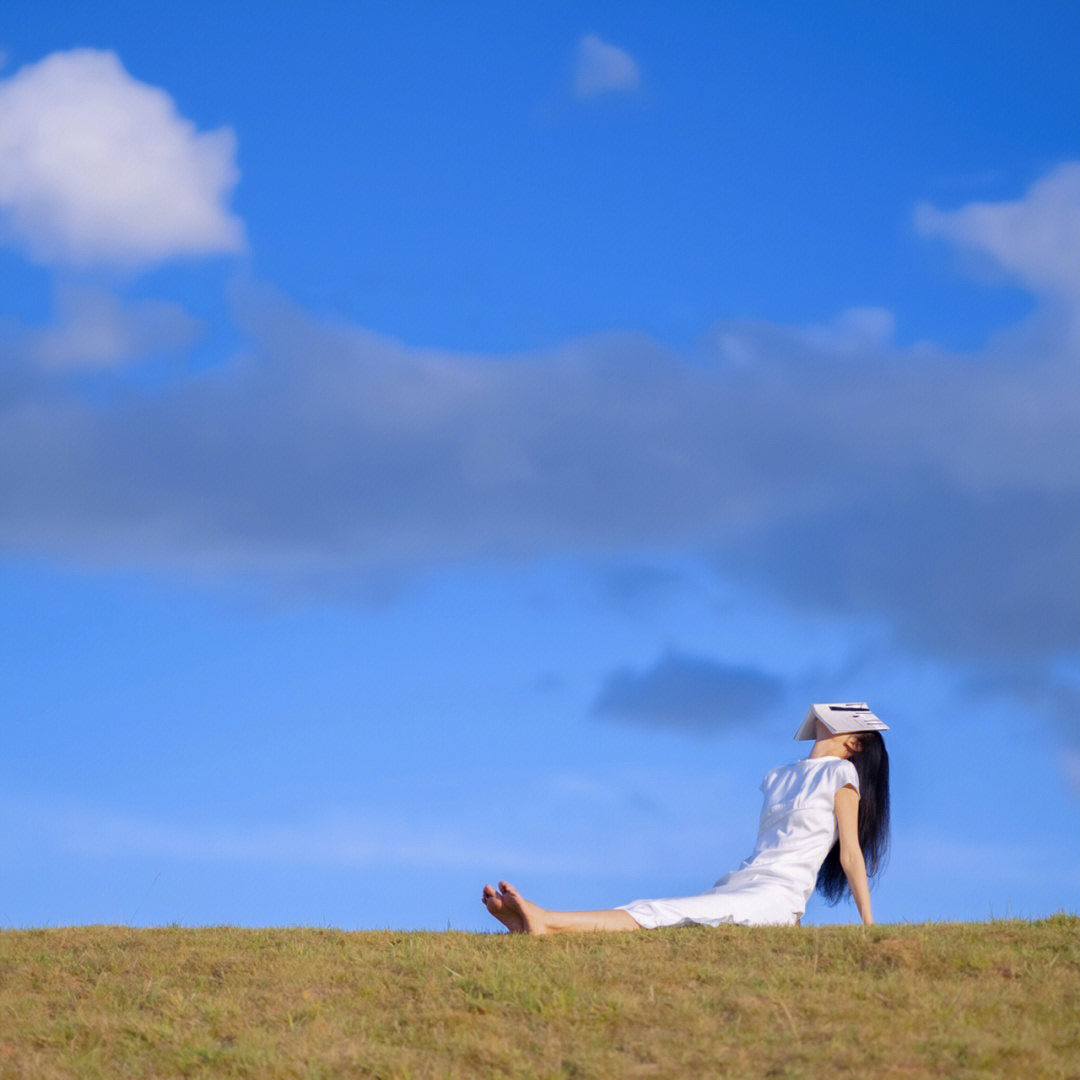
<point>963,574</point>
<point>913,483</point>
<point>328,448</point>
<point>689,693</point>
<point>940,491</point>
<point>1042,689</point>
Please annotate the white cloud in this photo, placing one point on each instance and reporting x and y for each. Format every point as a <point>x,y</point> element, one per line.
<point>99,168</point>
<point>97,330</point>
<point>602,68</point>
<point>1036,237</point>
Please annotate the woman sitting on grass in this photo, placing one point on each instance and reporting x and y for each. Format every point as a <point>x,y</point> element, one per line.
<point>825,823</point>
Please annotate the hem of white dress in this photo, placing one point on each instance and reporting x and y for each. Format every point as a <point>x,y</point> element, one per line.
<point>653,914</point>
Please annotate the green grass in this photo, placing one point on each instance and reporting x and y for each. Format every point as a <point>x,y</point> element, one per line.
<point>949,1000</point>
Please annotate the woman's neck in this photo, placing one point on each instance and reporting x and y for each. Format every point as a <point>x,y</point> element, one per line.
<point>832,746</point>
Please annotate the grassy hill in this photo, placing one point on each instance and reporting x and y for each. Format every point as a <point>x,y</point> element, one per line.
<point>948,1000</point>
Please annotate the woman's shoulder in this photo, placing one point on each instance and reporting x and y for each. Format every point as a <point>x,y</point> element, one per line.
<point>846,774</point>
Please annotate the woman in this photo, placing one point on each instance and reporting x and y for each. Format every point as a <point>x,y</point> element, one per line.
<point>825,823</point>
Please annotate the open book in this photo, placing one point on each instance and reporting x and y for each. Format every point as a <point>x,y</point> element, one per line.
<point>840,718</point>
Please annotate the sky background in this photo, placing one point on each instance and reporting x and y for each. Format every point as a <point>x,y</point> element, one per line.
<point>443,445</point>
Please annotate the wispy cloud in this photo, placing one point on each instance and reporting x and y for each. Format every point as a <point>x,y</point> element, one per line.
<point>1035,237</point>
<point>985,862</point>
<point>602,68</point>
<point>340,840</point>
<point>97,330</point>
<point>565,823</point>
<point>99,168</point>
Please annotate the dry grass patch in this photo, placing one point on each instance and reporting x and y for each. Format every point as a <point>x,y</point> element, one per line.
<point>957,1000</point>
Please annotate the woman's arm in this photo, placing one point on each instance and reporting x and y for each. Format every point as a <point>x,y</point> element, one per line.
<point>846,803</point>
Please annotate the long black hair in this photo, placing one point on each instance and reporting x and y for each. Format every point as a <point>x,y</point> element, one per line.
<point>871,762</point>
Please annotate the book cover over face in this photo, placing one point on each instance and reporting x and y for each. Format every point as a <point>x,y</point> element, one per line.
<point>841,718</point>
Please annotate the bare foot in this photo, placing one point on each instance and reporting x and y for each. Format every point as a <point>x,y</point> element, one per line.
<point>518,915</point>
<point>510,917</point>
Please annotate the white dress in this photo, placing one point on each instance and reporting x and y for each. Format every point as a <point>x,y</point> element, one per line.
<point>796,831</point>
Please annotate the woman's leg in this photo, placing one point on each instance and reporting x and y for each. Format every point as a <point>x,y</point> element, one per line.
<point>521,916</point>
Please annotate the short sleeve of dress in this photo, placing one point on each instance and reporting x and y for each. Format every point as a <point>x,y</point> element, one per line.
<point>846,774</point>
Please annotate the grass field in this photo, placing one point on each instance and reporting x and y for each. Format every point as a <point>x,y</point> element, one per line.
<point>948,1000</point>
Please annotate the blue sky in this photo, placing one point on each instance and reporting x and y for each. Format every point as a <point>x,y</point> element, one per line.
<point>437,447</point>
